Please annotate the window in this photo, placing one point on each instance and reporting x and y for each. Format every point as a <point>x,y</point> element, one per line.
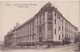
<point>59,17</point>
<point>62,21</point>
<point>50,26</point>
<point>30,27</point>
<point>65,29</point>
<point>50,15</point>
<point>29,37</point>
<point>43,27</point>
<point>62,28</point>
<point>37,20</point>
<point>55,31</point>
<point>33,23</point>
<point>43,17</point>
<point>37,29</point>
<point>49,11</point>
<point>40,39</point>
<point>43,14</point>
<point>40,19</point>
<point>33,37</point>
<point>40,29</point>
<point>66,36</point>
<point>55,21</point>
<point>32,43</point>
<point>62,35</point>
<point>59,37</point>
<point>55,14</point>
<point>59,27</point>
<point>33,30</point>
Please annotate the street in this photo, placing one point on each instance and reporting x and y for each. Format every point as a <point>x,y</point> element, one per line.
<point>64,48</point>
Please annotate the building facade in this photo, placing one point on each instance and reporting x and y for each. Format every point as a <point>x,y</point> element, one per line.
<point>48,26</point>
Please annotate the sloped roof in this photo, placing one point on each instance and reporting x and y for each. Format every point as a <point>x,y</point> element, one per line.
<point>49,4</point>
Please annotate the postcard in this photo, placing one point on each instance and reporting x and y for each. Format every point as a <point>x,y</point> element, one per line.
<point>47,26</point>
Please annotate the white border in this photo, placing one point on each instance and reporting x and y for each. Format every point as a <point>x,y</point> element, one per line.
<point>39,0</point>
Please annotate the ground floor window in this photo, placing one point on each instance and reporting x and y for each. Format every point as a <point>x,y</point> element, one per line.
<point>40,39</point>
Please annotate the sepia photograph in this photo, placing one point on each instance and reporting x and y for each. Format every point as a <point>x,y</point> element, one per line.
<point>35,26</point>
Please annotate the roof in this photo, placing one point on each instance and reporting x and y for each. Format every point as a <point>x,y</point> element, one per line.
<point>48,5</point>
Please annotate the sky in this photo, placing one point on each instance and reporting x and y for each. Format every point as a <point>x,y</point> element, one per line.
<point>18,12</point>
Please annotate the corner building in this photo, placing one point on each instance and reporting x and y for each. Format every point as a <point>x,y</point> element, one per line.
<point>48,26</point>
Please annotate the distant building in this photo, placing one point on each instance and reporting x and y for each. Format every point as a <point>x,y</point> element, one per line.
<point>77,38</point>
<point>1,44</point>
<point>47,27</point>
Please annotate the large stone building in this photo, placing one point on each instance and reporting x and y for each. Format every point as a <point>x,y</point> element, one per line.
<point>48,26</point>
